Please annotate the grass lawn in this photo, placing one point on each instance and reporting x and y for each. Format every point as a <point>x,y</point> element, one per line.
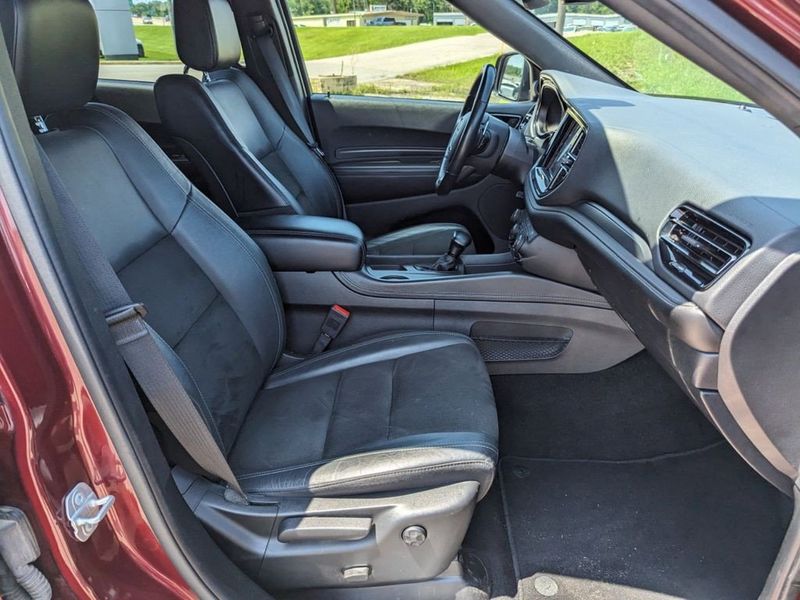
<point>324,42</point>
<point>649,66</point>
<point>634,56</point>
<point>318,42</point>
<point>452,80</point>
<point>159,44</point>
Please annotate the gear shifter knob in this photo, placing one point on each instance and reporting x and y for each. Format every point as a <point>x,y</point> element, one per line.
<point>450,261</point>
<point>459,243</point>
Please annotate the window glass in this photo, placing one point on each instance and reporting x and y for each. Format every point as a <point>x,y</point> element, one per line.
<point>136,39</point>
<point>412,48</point>
<point>631,54</point>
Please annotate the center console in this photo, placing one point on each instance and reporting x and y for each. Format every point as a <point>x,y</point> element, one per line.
<point>307,243</point>
<point>531,309</point>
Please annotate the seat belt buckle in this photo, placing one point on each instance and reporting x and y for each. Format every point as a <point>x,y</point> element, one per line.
<point>125,313</point>
<point>332,326</point>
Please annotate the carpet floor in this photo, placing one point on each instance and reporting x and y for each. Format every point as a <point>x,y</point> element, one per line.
<point>699,525</point>
<point>613,486</point>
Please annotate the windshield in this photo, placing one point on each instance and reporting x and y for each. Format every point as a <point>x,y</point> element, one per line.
<point>634,56</point>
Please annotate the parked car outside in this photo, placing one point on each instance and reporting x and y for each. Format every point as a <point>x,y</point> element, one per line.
<point>383,22</point>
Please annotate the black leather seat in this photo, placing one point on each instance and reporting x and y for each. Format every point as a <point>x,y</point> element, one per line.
<point>397,412</point>
<point>250,159</point>
<point>404,412</point>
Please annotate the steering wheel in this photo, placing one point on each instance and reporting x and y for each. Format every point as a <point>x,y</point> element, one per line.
<point>467,130</point>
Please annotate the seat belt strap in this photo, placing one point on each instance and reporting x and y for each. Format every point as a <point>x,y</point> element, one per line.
<point>263,34</point>
<point>137,344</point>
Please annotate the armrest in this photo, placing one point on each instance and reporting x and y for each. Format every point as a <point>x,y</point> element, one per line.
<point>306,243</point>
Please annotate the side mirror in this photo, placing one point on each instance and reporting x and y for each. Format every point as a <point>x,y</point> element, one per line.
<point>513,81</point>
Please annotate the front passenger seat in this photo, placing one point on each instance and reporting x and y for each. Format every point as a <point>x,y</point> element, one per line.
<point>251,160</point>
<point>389,433</point>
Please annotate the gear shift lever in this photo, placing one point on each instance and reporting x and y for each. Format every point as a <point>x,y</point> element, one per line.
<point>451,261</point>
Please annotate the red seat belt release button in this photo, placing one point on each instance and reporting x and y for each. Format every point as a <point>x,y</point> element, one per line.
<point>331,327</point>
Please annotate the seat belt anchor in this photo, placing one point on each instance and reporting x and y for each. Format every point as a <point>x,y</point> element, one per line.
<point>318,151</point>
<point>332,326</point>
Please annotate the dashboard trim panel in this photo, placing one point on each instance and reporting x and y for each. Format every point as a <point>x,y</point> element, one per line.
<point>643,157</point>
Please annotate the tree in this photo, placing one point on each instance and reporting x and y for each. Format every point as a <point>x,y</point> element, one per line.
<point>312,7</point>
<point>155,8</point>
<point>592,8</point>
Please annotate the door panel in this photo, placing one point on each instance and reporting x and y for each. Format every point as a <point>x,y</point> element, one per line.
<point>385,153</point>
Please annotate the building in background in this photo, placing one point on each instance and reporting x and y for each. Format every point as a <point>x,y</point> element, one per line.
<point>451,18</point>
<point>117,40</point>
<point>358,18</point>
<point>575,22</point>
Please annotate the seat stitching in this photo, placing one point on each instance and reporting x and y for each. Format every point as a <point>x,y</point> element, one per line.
<point>146,250</point>
<point>252,159</point>
<point>493,450</point>
<point>256,111</point>
<point>125,170</point>
<point>99,108</point>
<point>327,355</point>
<point>484,445</point>
<point>275,302</point>
<point>401,472</point>
<point>430,468</point>
<point>194,322</point>
<point>232,233</point>
<point>333,411</point>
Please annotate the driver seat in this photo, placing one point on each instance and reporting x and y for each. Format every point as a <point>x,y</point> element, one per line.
<point>250,159</point>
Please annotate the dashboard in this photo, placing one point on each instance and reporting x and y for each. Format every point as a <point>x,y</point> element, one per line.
<point>686,215</point>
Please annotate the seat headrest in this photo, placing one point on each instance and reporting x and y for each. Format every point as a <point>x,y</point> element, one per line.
<point>55,51</point>
<point>206,34</point>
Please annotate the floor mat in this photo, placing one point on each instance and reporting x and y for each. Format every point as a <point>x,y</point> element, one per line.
<point>700,525</point>
<point>632,410</point>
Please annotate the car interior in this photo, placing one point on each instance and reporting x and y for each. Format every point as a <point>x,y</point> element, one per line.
<point>394,348</point>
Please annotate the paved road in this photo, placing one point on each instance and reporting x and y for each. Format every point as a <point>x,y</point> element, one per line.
<point>369,66</point>
<point>392,62</point>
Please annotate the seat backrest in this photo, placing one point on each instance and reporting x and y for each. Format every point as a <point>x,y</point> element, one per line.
<point>250,158</point>
<point>208,288</point>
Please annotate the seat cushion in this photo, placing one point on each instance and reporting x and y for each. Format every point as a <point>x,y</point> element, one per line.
<point>406,411</point>
<point>431,239</point>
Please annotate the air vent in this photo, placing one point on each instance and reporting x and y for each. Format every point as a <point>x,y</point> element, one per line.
<point>697,248</point>
<point>562,152</point>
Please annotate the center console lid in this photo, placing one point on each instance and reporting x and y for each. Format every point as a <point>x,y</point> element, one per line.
<point>307,243</point>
